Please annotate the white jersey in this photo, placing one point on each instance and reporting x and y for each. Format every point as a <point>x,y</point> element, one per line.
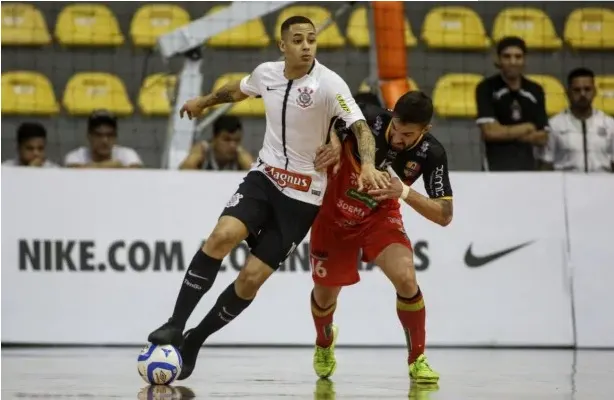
<point>82,156</point>
<point>299,115</point>
<point>574,146</point>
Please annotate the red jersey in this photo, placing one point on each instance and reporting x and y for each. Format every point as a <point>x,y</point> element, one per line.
<point>343,203</point>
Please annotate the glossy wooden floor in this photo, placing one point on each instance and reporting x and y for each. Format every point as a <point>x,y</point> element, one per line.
<point>287,373</point>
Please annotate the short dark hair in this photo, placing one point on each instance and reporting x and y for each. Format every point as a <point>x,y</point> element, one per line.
<point>579,72</point>
<point>101,117</point>
<point>414,107</point>
<point>297,19</point>
<point>228,123</point>
<point>30,130</point>
<point>511,41</point>
<point>367,98</point>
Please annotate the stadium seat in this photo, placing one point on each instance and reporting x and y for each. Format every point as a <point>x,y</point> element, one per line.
<point>329,38</point>
<point>454,95</point>
<point>89,91</point>
<point>23,25</point>
<point>27,93</point>
<point>153,20</point>
<point>251,34</point>
<point>454,27</point>
<point>605,93</point>
<point>358,32</point>
<point>88,25</point>
<point>590,28</point>
<point>556,98</point>
<point>531,24</point>
<point>154,94</point>
<point>252,107</point>
<point>365,88</point>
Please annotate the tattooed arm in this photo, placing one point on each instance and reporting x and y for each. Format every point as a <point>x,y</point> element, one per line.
<point>440,211</point>
<point>366,142</point>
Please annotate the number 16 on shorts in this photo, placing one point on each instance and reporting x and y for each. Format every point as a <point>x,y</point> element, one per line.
<point>317,265</point>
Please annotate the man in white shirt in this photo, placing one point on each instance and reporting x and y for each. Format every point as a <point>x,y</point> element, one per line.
<point>103,152</point>
<point>31,146</point>
<point>581,137</point>
<point>280,197</point>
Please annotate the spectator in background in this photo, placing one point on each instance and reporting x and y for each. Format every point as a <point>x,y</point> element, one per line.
<point>367,98</point>
<point>581,137</point>
<point>31,146</point>
<point>224,153</point>
<point>511,111</point>
<point>103,152</point>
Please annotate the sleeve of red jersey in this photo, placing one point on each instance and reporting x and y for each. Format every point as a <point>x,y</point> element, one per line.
<point>340,101</point>
<point>251,84</point>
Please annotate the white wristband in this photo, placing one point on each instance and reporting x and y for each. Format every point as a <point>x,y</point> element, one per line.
<point>405,192</point>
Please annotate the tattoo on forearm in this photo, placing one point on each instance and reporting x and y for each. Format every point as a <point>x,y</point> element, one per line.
<point>446,208</point>
<point>223,96</point>
<point>366,141</point>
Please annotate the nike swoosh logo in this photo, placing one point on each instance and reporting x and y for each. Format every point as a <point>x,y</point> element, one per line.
<point>191,273</point>
<point>270,88</point>
<point>474,261</point>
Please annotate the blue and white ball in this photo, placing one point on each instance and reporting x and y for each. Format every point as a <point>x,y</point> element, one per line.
<point>159,365</point>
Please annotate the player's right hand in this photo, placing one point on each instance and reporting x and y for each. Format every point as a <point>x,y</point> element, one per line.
<point>371,178</point>
<point>193,108</point>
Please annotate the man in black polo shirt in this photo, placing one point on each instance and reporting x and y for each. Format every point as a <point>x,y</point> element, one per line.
<point>511,111</point>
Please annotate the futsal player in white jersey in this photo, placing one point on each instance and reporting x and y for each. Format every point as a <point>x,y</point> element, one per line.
<point>280,197</point>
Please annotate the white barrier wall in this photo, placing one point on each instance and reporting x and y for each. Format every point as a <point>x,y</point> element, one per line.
<point>98,256</point>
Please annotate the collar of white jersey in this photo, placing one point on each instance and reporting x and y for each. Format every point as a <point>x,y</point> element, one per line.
<point>313,65</point>
<point>595,112</point>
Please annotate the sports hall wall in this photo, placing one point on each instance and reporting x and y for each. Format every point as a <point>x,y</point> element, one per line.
<point>147,134</point>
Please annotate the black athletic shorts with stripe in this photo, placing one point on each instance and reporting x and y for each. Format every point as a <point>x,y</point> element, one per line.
<point>277,224</point>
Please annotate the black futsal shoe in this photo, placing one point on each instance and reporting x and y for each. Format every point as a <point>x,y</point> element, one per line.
<point>189,353</point>
<point>167,334</point>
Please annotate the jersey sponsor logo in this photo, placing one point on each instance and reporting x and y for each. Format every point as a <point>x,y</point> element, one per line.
<point>424,147</point>
<point>305,98</point>
<point>412,169</point>
<point>234,200</point>
<point>349,209</point>
<point>362,197</point>
<point>342,103</point>
<point>437,181</point>
<point>288,179</point>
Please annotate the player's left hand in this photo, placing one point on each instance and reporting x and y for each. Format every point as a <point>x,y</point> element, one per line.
<point>370,178</point>
<point>392,191</point>
<point>327,155</point>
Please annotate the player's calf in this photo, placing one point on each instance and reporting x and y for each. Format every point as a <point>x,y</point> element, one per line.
<point>323,305</point>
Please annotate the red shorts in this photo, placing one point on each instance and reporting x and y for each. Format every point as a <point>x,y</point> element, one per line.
<point>335,251</point>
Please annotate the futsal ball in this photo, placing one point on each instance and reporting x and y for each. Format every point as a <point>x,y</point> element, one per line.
<point>159,365</point>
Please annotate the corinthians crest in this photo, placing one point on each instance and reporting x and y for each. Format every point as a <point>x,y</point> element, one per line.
<point>305,98</point>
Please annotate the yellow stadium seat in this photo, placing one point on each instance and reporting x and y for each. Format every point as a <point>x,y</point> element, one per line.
<point>454,95</point>
<point>27,93</point>
<point>358,30</point>
<point>88,25</point>
<point>250,34</point>
<point>531,24</point>
<point>454,27</point>
<point>155,94</point>
<point>365,88</point>
<point>556,97</point>
<point>153,20</point>
<point>590,28</point>
<point>23,25</point>
<point>251,107</point>
<point>86,92</point>
<point>329,38</point>
<point>605,93</point>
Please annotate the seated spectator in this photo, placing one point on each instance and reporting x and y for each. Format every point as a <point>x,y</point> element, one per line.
<point>511,111</point>
<point>102,151</point>
<point>31,145</point>
<point>224,153</point>
<point>581,137</point>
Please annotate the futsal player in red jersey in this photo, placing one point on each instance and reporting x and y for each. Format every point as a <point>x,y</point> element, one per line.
<point>354,220</point>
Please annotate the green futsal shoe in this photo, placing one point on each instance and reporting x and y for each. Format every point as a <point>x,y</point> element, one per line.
<point>421,372</point>
<point>324,362</point>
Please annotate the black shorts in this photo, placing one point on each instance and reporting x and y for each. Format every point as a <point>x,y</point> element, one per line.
<point>277,224</point>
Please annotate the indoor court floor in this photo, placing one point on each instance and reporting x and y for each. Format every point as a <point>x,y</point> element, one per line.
<point>225,373</point>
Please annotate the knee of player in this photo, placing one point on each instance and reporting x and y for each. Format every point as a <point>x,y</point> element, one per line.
<point>325,296</point>
<point>223,239</point>
<point>405,277</point>
<point>250,279</point>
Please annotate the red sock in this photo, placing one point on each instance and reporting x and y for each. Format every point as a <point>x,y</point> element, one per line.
<point>412,315</point>
<point>323,320</point>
